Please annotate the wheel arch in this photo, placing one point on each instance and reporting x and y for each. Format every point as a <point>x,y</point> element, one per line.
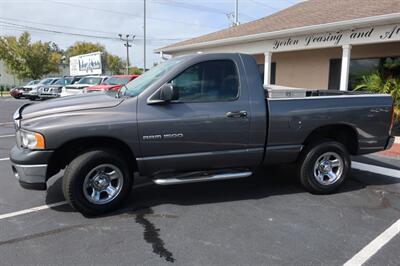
<point>343,133</point>
<point>72,148</point>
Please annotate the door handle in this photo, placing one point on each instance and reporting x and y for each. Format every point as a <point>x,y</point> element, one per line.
<point>236,114</point>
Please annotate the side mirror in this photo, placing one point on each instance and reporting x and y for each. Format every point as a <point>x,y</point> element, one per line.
<point>168,93</point>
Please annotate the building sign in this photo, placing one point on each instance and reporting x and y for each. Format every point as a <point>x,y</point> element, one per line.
<point>85,64</point>
<point>333,39</point>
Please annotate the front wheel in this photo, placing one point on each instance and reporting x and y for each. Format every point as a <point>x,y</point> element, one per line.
<point>97,181</point>
<point>323,166</point>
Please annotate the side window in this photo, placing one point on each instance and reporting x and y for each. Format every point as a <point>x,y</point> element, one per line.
<point>215,80</point>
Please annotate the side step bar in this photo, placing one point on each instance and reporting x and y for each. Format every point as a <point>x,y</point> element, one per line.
<point>215,177</point>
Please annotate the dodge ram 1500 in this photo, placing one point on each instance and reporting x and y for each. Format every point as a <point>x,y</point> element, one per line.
<point>193,118</point>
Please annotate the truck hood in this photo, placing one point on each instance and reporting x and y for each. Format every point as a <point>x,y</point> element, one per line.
<point>69,104</point>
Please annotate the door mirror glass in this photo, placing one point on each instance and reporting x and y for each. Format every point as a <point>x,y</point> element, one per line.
<point>168,93</point>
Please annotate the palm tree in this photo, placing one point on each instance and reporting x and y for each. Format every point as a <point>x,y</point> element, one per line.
<point>376,83</point>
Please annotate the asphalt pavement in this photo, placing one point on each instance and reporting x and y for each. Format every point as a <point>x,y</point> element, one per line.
<point>266,219</point>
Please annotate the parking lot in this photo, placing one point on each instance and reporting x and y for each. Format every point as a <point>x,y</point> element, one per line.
<point>264,219</point>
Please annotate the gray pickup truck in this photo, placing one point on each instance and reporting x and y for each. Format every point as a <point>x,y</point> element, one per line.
<point>193,118</point>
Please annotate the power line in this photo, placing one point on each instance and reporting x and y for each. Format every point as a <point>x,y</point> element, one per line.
<point>198,8</point>
<point>265,5</point>
<point>26,27</point>
<point>58,32</point>
<point>56,25</point>
<point>128,14</point>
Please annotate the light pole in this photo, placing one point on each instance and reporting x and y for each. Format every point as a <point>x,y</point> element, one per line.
<point>127,45</point>
<point>144,36</point>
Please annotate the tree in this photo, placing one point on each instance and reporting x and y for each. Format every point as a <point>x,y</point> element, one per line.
<point>29,60</point>
<point>79,48</point>
<point>134,71</point>
<point>384,81</point>
<point>114,64</point>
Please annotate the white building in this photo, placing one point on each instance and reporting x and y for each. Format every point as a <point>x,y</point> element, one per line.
<point>316,44</point>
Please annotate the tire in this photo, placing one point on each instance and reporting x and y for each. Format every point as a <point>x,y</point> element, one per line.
<point>94,170</point>
<point>324,166</point>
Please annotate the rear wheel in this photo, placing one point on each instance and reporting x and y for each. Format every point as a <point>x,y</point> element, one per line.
<point>323,166</point>
<point>97,182</point>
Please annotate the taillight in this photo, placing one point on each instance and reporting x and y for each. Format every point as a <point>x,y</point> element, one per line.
<point>391,118</point>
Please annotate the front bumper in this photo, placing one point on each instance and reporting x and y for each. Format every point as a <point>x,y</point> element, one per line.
<point>31,176</point>
<point>48,95</point>
<point>30,167</point>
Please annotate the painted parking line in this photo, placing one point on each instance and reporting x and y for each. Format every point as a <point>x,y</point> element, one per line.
<point>375,245</point>
<point>7,136</point>
<point>34,209</point>
<point>4,159</point>
<point>48,206</point>
<point>376,169</point>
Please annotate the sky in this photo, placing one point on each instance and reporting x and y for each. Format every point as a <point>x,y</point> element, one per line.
<point>168,21</point>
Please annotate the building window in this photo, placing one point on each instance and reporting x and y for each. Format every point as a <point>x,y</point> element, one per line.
<point>334,74</point>
<point>273,72</point>
<point>358,69</point>
<point>363,67</point>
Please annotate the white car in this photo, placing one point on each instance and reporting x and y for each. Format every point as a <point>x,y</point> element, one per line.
<point>33,93</point>
<point>82,84</point>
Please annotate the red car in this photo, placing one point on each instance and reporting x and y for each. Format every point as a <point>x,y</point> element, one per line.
<point>112,84</point>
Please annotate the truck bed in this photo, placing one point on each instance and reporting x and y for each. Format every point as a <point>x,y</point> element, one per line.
<point>296,116</point>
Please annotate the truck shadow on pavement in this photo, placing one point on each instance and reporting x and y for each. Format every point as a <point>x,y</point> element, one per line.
<point>266,182</point>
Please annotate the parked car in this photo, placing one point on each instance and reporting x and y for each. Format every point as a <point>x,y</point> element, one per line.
<point>83,83</point>
<point>33,94</point>
<point>194,118</point>
<point>54,90</point>
<point>113,83</point>
<point>20,92</point>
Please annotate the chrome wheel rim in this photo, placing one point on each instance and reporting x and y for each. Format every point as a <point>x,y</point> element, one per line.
<point>103,184</point>
<point>328,168</point>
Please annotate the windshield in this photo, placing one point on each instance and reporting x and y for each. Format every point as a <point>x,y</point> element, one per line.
<point>63,81</point>
<point>32,82</point>
<point>138,85</point>
<point>46,81</point>
<point>117,81</point>
<point>90,80</point>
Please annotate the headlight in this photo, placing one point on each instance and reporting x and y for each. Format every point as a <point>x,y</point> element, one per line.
<point>30,140</point>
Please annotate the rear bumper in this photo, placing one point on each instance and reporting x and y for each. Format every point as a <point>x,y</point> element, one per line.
<point>30,167</point>
<point>390,142</point>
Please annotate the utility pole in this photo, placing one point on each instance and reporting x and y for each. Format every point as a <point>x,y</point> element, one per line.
<point>233,17</point>
<point>127,45</point>
<point>144,35</point>
<point>236,12</point>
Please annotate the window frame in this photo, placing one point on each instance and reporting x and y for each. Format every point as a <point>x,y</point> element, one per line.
<point>210,101</point>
